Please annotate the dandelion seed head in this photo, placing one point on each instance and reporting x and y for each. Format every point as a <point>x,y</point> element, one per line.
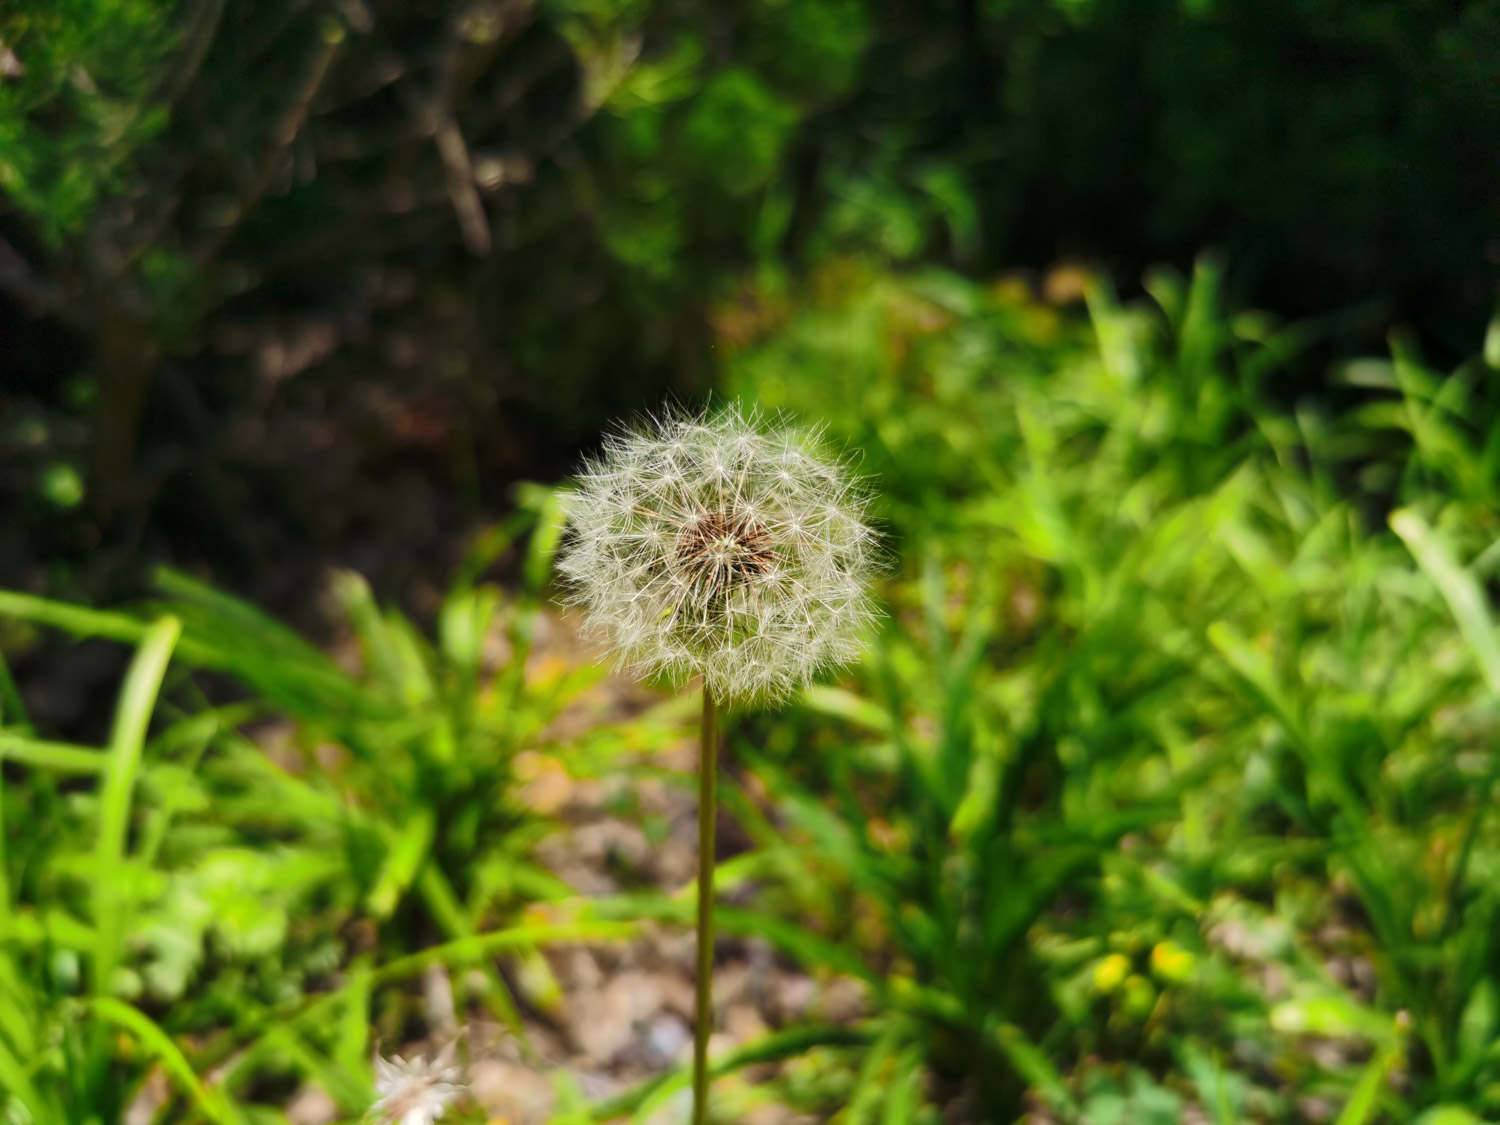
<point>724,546</point>
<point>414,1091</point>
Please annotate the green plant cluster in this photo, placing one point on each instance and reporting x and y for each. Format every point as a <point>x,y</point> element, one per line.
<point>80,95</point>
<point>247,877</point>
<point>1163,790</point>
<point>1173,763</point>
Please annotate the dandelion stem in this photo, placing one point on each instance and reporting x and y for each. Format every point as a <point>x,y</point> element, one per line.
<point>707,807</point>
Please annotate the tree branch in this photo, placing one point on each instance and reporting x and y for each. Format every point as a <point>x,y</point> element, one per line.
<point>458,171</point>
<point>282,136</point>
<point>37,294</point>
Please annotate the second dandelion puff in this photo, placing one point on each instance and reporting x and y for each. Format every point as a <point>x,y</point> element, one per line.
<point>414,1091</point>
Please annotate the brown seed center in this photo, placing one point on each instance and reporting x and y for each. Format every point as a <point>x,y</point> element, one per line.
<point>720,550</point>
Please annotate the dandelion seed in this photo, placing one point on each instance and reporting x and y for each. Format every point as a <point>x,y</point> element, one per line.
<point>415,1091</point>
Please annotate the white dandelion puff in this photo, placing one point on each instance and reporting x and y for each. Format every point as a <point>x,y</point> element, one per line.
<point>415,1091</point>
<point>724,546</point>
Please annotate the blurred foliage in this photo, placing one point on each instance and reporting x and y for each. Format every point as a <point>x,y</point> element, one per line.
<point>386,827</point>
<point>463,235</point>
<point>1162,705</point>
<point>74,112</point>
<point>1164,791</point>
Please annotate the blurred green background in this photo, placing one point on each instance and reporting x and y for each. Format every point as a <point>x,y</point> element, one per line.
<point>1164,331</point>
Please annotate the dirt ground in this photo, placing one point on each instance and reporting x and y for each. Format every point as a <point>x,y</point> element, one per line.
<point>625,1009</point>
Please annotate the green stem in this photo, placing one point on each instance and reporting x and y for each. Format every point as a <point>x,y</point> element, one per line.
<point>707,805</point>
<point>1466,849</point>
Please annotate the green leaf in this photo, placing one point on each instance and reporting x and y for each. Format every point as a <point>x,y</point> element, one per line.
<point>545,537</point>
<point>61,757</point>
<point>464,624</point>
<point>841,704</point>
<point>211,1103</point>
<point>903,1094</point>
<point>404,856</point>
<point>1254,669</point>
<point>1449,1115</point>
<point>871,1079</point>
<point>78,620</point>
<point>137,700</point>
<point>1330,1014</point>
<point>778,1045</point>
<point>1465,599</point>
<point>1476,1027</point>
<point>1032,1064</point>
<point>1364,1103</point>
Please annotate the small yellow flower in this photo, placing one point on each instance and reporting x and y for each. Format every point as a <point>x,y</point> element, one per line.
<point>1110,971</point>
<point>1171,962</point>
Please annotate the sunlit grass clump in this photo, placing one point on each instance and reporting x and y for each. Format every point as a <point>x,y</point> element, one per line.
<point>1166,791</point>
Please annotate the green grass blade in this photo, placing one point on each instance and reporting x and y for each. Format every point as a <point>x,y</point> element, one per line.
<point>5,896</point>
<point>1254,669</point>
<point>838,703</point>
<point>1364,1103</point>
<point>137,701</point>
<point>1031,1063</point>
<point>212,1103</point>
<point>404,858</point>
<point>870,1081</point>
<point>903,1096</point>
<point>81,621</point>
<point>74,619</point>
<point>1459,589</point>
<point>12,706</point>
<point>263,630</point>
<point>470,950</point>
<point>350,1089</point>
<point>17,1083</point>
<point>352,1047</point>
<point>775,1047</point>
<point>61,757</point>
<point>545,536</point>
<point>798,942</point>
<point>449,914</point>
